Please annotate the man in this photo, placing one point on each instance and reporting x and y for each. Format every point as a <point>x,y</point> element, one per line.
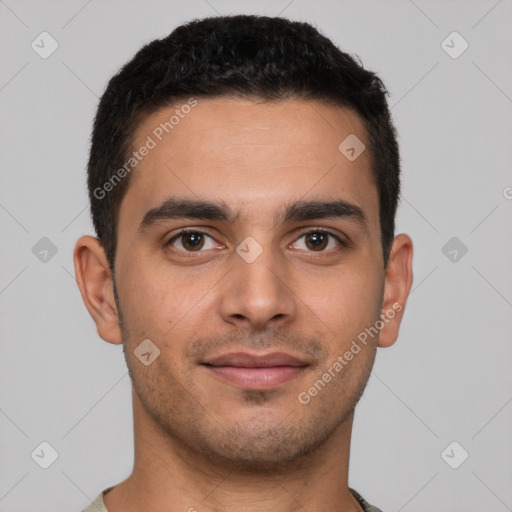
<point>243,178</point>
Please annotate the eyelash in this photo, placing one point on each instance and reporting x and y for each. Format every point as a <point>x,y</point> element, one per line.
<point>185,231</point>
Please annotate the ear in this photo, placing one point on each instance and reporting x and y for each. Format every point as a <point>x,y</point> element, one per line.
<point>397,284</point>
<point>94,278</point>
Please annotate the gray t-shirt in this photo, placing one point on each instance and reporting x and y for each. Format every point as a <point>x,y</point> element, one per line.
<point>98,504</point>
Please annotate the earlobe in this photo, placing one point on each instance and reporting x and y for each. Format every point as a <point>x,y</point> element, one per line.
<point>397,285</point>
<point>94,279</point>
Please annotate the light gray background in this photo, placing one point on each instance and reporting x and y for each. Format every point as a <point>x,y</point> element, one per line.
<point>448,378</point>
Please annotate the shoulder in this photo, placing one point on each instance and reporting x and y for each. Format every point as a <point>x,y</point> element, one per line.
<point>98,505</point>
<point>366,506</point>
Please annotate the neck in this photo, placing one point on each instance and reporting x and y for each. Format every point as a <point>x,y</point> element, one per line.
<point>167,473</point>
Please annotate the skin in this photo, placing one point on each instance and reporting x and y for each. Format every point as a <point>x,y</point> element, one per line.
<point>201,442</point>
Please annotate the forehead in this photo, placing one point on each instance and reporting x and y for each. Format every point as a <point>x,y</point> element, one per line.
<point>249,154</point>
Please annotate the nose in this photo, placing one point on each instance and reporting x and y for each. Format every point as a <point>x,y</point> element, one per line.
<point>258,295</point>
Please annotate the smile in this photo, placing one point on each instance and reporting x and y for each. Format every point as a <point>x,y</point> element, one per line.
<point>255,371</point>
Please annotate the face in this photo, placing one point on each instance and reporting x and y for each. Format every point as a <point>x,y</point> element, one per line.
<point>286,262</point>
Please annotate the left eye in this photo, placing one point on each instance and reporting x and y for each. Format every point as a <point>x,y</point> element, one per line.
<point>195,241</point>
<point>318,240</point>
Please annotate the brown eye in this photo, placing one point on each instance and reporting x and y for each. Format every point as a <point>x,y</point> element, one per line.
<point>317,240</point>
<point>191,241</point>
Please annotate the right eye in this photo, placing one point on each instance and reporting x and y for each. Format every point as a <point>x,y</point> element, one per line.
<point>191,240</point>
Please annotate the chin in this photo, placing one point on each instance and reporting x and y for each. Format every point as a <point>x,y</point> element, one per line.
<point>263,446</point>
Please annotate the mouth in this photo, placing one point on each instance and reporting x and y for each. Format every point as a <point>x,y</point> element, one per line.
<point>251,371</point>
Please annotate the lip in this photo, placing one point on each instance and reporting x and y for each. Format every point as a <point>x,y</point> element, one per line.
<point>252,371</point>
<point>247,360</point>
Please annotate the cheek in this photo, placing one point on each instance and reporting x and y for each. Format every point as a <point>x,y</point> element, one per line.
<point>164,302</point>
<point>347,304</point>
<point>148,300</point>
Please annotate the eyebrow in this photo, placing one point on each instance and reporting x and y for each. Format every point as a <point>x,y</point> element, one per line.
<point>181,208</point>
